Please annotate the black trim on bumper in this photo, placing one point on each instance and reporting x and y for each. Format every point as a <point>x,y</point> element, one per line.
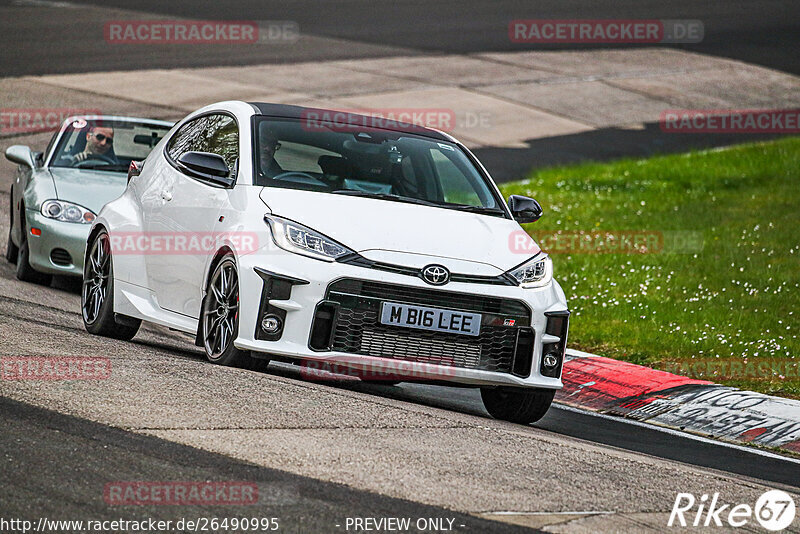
<point>557,325</point>
<point>275,287</point>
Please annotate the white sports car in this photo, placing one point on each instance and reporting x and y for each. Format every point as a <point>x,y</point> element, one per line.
<point>331,239</point>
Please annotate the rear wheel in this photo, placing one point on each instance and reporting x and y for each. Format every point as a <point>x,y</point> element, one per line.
<point>97,295</point>
<point>219,319</point>
<point>517,405</point>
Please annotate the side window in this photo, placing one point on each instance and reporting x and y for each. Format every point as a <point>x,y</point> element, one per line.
<point>456,187</point>
<point>182,141</point>
<point>216,134</point>
<point>220,136</point>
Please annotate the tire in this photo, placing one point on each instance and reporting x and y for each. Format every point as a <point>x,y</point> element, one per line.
<point>11,249</point>
<point>219,319</point>
<point>25,272</point>
<point>97,294</point>
<point>523,406</point>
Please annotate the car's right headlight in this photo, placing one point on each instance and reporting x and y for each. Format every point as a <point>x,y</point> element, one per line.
<point>67,212</point>
<point>537,272</point>
<point>300,239</point>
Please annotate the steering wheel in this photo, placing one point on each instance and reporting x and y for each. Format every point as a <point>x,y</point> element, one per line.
<point>93,159</point>
<point>305,178</point>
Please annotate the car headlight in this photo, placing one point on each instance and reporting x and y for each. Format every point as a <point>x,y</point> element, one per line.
<point>299,239</point>
<point>67,212</point>
<point>537,272</point>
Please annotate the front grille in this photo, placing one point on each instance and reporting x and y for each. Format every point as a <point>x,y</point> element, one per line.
<point>357,330</point>
<point>59,256</point>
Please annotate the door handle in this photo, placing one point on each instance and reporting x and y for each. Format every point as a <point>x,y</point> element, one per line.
<point>166,195</point>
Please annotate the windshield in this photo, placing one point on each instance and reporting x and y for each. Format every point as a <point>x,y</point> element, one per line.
<point>106,145</point>
<point>369,162</point>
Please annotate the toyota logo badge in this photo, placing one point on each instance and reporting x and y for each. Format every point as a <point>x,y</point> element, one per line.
<point>436,275</point>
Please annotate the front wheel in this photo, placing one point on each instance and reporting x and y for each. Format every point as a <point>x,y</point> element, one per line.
<point>97,295</point>
<point>11,249</point>
<point>219,319</point>
<point>25,272</point>
<point>518,405</point>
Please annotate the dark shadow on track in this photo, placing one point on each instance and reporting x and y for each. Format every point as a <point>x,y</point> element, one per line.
<point>585,426</point>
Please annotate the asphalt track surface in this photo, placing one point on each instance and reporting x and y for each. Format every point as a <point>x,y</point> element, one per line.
<point>54,463</point>
<point>37,40</point>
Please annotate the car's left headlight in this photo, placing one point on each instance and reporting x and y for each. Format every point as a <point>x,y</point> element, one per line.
<point>537,272</point>
<point>67,212</point>
<point>300,239</point>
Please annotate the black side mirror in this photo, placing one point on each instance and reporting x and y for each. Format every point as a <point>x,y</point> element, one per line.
<point>524,209</point>
<point>206,166</point>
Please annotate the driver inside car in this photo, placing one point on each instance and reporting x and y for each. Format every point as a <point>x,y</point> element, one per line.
<point>269,145</point>
<point>99,141</point>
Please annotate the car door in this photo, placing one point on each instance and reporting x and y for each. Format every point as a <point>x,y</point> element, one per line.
<point>183,217</point>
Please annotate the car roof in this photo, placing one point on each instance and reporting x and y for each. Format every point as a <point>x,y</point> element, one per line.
<point>299,112</point>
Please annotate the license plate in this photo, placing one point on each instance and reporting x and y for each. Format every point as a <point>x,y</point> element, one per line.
<point>436,319</point>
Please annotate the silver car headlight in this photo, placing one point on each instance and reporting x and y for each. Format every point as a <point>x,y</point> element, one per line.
<point>299,239</point>
<point>67,212</point>
<point>537,272</point>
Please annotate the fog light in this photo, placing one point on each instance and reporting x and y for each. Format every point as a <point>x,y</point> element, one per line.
<point>271,324</point>
<point>550,361</point>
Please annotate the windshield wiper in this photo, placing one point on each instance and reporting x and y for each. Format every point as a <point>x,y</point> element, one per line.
<point>386,196</point>
<point>399,198</point>
<point>475,209</point>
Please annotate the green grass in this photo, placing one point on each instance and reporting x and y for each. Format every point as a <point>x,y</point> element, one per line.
<point>736,298</point>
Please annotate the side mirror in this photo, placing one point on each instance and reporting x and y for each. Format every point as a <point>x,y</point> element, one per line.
<point>22,155</point>
<point>206,166</point>
<point>135,169</point>
<point>524,209</point>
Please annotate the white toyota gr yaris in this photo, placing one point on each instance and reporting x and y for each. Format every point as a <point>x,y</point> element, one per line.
<point>336,241</point>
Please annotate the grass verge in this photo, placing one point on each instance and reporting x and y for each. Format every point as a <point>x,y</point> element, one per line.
<point>688,263</point>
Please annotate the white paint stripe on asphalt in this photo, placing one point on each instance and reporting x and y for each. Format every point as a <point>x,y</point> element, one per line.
<point>44,3</point>
<point>670,431</point>
<point>548,513</point>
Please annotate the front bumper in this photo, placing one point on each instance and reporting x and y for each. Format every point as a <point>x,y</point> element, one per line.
<point>60,248</point>
<point>294,288</point>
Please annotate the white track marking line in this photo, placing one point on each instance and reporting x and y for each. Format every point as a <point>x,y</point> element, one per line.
<point>44,3</point>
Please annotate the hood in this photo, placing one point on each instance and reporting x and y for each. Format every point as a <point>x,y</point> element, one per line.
<point>374,226</point>
<point>88,188</point>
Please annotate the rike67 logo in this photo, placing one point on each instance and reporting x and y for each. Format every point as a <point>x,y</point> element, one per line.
<point>774,510</point>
